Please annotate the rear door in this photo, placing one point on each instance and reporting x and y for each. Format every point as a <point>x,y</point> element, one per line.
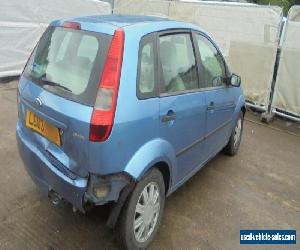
<point>61,81</point>
<point>218,95</point>
<point>182,104</point>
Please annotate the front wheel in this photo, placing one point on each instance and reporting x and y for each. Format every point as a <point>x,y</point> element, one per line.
<point>236,136</point>
<point>142,214</point>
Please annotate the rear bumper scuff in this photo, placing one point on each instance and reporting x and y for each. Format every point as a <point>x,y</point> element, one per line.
<point>47,177</point>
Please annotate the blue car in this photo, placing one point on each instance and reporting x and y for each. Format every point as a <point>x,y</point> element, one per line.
<point>122,110</point>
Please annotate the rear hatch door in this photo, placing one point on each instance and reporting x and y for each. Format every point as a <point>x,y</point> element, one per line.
<point>59,88</point>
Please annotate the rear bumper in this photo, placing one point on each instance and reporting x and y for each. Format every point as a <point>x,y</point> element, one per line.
<point>46,176</point>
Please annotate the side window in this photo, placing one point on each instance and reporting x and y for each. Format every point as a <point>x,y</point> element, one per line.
<point>178,63</point>
<point>146,81</point>
<point>212,62</point>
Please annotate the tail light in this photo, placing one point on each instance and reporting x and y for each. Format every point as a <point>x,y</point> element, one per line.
<point>72,25</point>
<point>104,110</point>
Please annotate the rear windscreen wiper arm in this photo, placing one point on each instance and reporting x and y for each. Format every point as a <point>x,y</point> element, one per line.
<point>49,82</point>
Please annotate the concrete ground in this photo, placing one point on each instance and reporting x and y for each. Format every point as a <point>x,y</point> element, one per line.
<point>257,189</point>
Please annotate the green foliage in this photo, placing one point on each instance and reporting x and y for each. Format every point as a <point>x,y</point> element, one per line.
<point>286,4</point>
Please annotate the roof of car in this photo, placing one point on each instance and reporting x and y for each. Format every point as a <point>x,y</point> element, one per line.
<point>138,24</point>
<point>121,20</point>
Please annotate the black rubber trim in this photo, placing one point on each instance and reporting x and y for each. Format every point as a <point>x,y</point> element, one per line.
<point>116,209</point>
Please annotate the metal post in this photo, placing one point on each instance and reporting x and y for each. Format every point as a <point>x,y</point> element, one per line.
<point>112,5</point>
<point>269,114</point>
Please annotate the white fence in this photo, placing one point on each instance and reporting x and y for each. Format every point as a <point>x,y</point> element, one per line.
<point>247,34</point>
<point>23,22</point>
<point>287,88</point>
<point>142,7</point>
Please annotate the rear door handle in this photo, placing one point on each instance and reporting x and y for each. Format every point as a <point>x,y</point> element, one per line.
<point>211,106</point>
<point>170,116</point>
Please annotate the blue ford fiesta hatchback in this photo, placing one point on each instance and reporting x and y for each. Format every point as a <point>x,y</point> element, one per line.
<point>123,110</point>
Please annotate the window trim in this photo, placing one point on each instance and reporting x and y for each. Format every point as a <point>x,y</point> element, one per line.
<point>151,37</point>
<point>227,71</point>
<point>161,83</point>
<point>192,91</point>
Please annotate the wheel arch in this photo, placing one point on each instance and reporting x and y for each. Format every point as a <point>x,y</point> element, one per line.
<point>164,168</point>
<point>240,106</point>
<point>158,154</point>
<point>243,109</point>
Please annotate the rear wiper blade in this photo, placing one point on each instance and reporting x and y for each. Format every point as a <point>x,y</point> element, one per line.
<point>55,84</point>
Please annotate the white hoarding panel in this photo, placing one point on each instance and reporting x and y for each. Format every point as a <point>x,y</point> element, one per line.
<point>287,88</point>
<point>247,35</point>
<point>142,7</point>
<point>23,22</point>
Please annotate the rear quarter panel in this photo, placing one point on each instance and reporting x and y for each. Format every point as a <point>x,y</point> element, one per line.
<point>135,124</point>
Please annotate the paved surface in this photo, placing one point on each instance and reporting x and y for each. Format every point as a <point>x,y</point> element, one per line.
<point>257,189</point>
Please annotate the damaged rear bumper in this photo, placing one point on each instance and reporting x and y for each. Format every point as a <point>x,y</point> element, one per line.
<point>107,188</point>
<point>47,177</point>
<point>78,191</point>
<point>115,187</point>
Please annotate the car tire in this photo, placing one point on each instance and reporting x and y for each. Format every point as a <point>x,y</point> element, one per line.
<point>143,212</point>
<point>235,138</point>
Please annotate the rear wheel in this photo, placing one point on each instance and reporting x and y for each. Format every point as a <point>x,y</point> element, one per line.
<point>236,136</point>
<point>142,214</point>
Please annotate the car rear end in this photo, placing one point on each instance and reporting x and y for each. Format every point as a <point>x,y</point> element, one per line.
<point>67,97</point>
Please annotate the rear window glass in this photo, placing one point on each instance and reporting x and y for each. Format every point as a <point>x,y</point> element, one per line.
<point>69,63</point>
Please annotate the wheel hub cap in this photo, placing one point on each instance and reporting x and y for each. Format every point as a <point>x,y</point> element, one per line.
<point>149,213</point>
<point>237,131</point>
<point>146,212</point>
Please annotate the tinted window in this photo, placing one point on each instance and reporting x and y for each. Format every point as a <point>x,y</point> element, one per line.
<point>69,62</point>
<point>178,63</point>
<point>212,62</point>
<point>146,73</point>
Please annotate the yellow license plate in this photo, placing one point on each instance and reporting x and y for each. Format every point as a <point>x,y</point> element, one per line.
<point>44,128</point>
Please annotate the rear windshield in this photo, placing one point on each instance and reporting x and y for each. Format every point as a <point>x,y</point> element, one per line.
<point>69,63</point>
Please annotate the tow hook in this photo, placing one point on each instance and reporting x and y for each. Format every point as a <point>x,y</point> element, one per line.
<point>55,198</point>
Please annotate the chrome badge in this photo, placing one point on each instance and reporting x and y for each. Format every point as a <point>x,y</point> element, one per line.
<point>38,101</point>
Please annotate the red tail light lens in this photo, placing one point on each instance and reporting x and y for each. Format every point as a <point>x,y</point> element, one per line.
<point>104,110</point>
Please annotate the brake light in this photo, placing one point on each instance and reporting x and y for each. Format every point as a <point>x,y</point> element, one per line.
<point>104,110</point>
<point>72,25</point>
